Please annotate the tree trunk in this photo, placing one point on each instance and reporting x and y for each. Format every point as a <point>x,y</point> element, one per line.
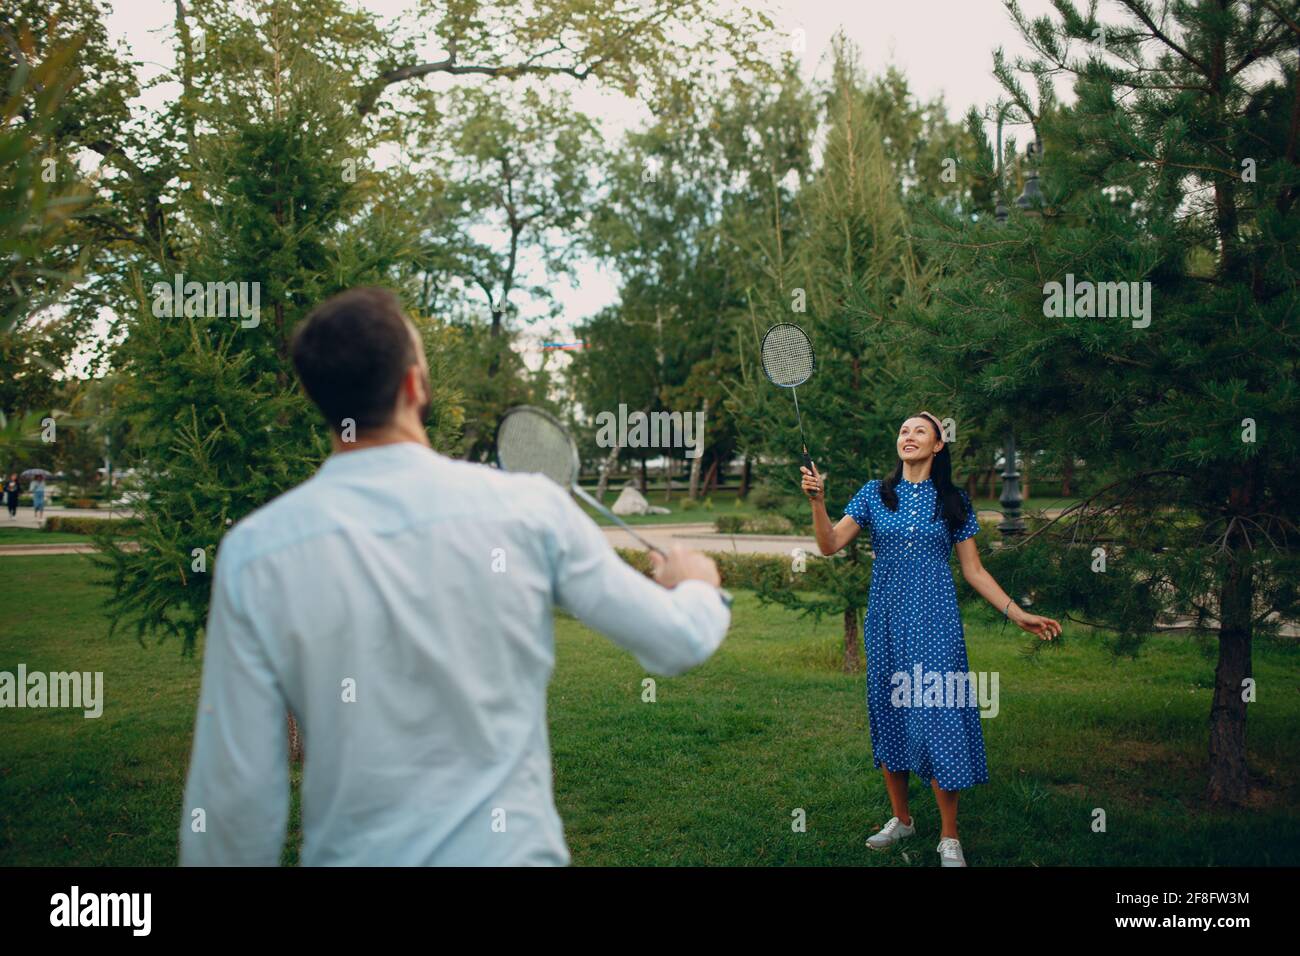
<point>606,467</point>
<point>695,462</point>
<point>711,477</point>
<point>1229,782</point>
<point>295,741</point>
<point>611,462</point>
<point>1067,475</point>
<point>470,438</point>
<point>643,484</point>
<point>744,480</point>
<point>668,478</point>
<point>1024,479</point>
<point>851,655</point>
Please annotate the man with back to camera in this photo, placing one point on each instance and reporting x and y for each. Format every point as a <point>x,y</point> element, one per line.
<point>372,601</point>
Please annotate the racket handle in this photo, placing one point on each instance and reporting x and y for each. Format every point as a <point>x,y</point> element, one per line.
<point>807,460</point>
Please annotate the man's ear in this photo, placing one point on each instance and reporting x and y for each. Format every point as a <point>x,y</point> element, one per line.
<point>411,386</point>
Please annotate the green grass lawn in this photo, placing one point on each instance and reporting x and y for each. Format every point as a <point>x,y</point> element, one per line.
<point>711,772</point>
<point>35,536</point>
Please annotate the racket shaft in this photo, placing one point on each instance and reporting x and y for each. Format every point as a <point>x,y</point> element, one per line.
<point>807,460</point>
<point>577,489</point>
<point>726,595</point>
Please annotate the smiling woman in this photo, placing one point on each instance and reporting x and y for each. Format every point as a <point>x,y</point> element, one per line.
<point>916,516</point>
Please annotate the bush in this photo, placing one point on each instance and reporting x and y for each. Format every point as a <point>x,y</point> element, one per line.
<point>693,504</point>
<point>75,524</point>
<point>766,498</point>
<point>759,524</point>
<point>756,572</point>
<point>769,524</point>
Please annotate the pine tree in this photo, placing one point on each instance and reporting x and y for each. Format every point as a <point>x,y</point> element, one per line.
<point>1175,166</point>
<point>221,427</point>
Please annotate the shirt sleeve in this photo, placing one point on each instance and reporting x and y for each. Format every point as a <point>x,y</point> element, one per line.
<point>239,764</point>
<point>668,631</point>
<point>859,506</point>
<point>972,525</point>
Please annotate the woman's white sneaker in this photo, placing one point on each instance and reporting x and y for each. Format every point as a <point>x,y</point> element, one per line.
<point>891,833</point>
<point>950,852</point>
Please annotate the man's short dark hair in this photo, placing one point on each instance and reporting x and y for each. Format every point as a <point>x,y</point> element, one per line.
<point>351,353</point>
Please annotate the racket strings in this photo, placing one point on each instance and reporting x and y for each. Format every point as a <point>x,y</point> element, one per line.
<point>787,356</point>
<point>530,442</point>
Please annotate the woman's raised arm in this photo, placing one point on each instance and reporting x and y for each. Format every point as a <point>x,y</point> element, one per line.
<point>830,538</point>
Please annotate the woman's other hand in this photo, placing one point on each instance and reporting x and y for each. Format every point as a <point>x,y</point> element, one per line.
<point>813,485</point>
<point>1044,627</point>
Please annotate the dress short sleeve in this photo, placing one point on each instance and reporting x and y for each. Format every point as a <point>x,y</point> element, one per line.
<point>972,525</point>
<point>859,507</point>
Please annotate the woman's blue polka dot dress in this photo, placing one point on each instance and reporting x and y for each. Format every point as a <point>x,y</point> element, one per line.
<point>912,619</point>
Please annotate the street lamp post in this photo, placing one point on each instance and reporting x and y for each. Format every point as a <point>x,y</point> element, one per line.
<point>1012,522</point>
<point>1028,203</point>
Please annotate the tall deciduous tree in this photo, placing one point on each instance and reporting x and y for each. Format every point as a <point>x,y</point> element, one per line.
<point>221,426</point>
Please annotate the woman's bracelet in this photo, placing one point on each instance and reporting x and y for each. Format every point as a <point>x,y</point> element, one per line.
<point>1007,608</point>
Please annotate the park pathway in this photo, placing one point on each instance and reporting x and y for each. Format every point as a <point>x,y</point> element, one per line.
<point>698,535</point>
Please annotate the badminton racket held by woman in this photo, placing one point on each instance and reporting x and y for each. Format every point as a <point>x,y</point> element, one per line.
<point>788,361</point>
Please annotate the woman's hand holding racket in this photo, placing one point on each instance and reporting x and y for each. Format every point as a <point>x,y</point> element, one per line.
<point>814,486</point>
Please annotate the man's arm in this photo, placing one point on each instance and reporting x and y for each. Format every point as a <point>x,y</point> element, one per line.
<point>239,765</point>
<point>668,630</point>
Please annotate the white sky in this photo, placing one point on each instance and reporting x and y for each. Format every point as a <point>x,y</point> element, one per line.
<point>944,47</point>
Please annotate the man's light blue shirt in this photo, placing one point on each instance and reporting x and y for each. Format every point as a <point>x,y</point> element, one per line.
<point>400,604</point>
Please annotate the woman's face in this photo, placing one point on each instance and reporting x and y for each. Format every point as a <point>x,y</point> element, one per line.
<point>917,440</point>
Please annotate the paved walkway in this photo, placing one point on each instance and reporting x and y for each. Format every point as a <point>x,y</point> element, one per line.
<point>27,517</point>
<point>697,535</point>
<point>18,550</point>
<point>700,535</point>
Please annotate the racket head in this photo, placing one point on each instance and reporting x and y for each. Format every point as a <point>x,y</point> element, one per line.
<point>529,439</point>
<point>787,354</point>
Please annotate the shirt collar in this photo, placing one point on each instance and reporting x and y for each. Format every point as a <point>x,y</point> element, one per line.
<point>376,456</point>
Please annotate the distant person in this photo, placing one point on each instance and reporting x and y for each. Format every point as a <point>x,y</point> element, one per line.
<point>11,495</point>
<point>400,604</point>
<point>38,496</point>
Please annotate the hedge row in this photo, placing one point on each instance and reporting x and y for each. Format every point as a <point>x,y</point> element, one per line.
<point>25,500</point>
<point>755,571</point>
<point>755,524</point>
<point>77,524</point>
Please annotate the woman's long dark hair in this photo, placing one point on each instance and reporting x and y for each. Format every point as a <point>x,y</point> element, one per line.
<point>948,502</point>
